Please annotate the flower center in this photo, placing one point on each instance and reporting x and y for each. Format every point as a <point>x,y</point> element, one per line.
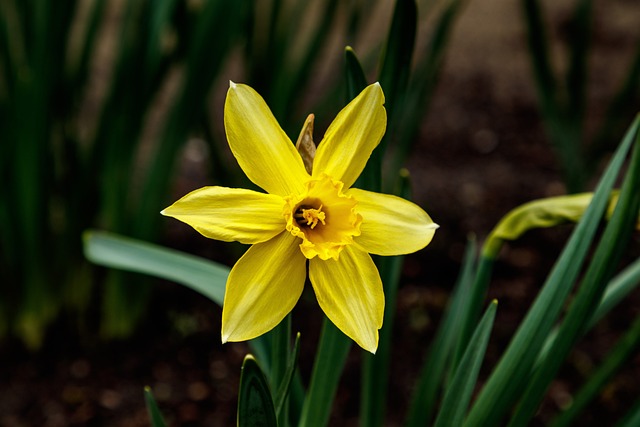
<point>323,217</point>
<point>308,216</point>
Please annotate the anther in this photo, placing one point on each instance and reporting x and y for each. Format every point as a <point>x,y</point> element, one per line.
<point>307,216</point>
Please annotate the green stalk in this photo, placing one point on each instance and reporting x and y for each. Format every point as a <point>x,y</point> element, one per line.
<point>624,349</point>
<point>471,315</point>
<point>458,394</point>
<point>375,368</point>
<point>280,350</point>
<point>435,371</point>
<point>327,369</point>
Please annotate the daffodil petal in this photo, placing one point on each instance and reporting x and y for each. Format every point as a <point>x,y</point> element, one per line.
<point>349,291</point>
<point>391,225</point>
<point>231,214</point>
<point>352,136</point>
<point>262,288</point>
<point>257,141</point>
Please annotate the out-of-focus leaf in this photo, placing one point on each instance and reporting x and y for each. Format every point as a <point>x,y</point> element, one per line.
<point>203,276</point>
<point>152,408</point>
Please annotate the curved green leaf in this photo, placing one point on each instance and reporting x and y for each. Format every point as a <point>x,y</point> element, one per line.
<point>111,250</point>
<point>255,404</point>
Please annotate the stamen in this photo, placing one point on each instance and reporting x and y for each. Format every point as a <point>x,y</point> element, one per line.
<point>309,216</point>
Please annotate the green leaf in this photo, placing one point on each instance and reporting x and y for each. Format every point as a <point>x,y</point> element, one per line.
<point>285,384</point>
<point>632,419</point>
<point>327,369</point>
<point>375,367</point>
<point>542,213</point>
<point>111,250</point>
<point>508,379</point>
<point>458,394</point>
<point>396,64</point>
<point>434,371</point>
<point>203,276</point>
<point>423,82</point>
<point>356,80</point>
<point>619,287</point>
<point>621,353</point>
<point>539,54</point>
<point>152,408</point>
<point>255,405</point>
<point>576,79</point>
<point>605,259</point>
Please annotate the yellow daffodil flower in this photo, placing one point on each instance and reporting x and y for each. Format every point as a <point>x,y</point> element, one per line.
<point>315,217</point>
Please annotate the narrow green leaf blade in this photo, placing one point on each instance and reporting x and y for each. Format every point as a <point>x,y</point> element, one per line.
<point>508,379</point>
<point>621,353</point>
<point>152,408</point>
<point>619,287</point>
<point>111,250</point>
<point>458,394</point>
<point>396,65</point>
<point>283,389</point>
<point>442,347</point>
<point>255,405</point>
<point>606,257</point>
<point>632,419</point>
<point>356,80</point>
<point>331,356</point>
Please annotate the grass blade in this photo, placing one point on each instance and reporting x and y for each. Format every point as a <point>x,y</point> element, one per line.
<point>622,352</point>
<point>508,378</point>
<point>203,276</point>
<point>285,384</point>
<point>458,394</point>
<point>327,369</point>
<point>434,371</point>
<point>606,257</point>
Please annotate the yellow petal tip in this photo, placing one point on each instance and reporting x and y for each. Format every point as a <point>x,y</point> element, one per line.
<point>232,85</point>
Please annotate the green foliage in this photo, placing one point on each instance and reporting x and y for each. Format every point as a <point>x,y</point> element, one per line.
<point>563,99</point>
<point>76,151</point>
<point>255,404</point>
<point>66,171</point>
<point>69,157</point>
<point>456,399</point>
<point>527,367</point>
